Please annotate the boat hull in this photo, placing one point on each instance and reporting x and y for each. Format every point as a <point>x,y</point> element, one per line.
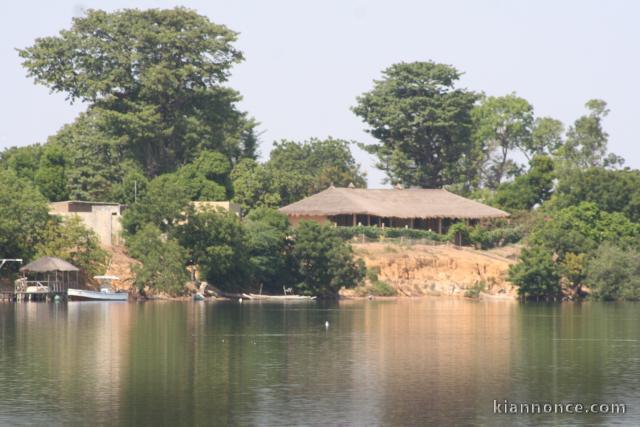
<point>84,295</point>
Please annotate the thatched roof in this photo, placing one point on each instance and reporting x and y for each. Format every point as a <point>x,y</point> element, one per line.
<point>405,203</point>
<point>44,264</point>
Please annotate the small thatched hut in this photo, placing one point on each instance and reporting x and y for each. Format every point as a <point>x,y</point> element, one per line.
<point>57,274</point>
<point>428,209</point>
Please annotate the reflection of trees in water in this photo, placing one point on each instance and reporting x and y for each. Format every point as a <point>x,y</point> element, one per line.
<point>437,361</point>
<point>578,353</point>
<point>65,361</point>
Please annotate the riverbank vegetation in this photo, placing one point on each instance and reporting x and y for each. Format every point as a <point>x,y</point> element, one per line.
<point>163,129</point>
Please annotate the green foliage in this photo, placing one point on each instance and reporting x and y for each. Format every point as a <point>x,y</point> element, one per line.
<point>561,244</point>
<point>536,274</point>
<point>610,190</point>
<point>581,229</point>
<point>162,259</point>
<point>586,142</point>
<point>381,288</point>
<point>23,215</point>
<point>487,238</point>
<point>475,290</point>
<point>614,273</point>
<point>70,240</point>
<point>459,234</point>
<point>23,161</point>
<point>216,243</point>
<point>153,81</point>
<point>295,170</point>
<point>373,232</point>
<point>269,249</point>
<point>530,189</point>
<point>50,177</point>
<point>546,136</point>
<point>163,205</point>
<point>422,122</point>
<point>325,262</point>
<point>325,162</point>
<point>501,125</point>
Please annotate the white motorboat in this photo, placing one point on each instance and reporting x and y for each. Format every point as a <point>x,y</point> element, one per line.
<point>105,293</point>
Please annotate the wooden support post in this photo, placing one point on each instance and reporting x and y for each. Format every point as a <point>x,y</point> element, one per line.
<point>439,225</point>
<point>369,220</point>
<point>354,220</point>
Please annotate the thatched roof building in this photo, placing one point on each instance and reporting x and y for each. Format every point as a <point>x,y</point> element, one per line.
<point>47,263</point>
<point>56,274</point>
<point>433,209</point>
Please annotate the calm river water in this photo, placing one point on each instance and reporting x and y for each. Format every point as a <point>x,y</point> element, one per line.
<point>410,362</point>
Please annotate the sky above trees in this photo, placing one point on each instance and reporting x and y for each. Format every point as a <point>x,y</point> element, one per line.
<point>306,63</point>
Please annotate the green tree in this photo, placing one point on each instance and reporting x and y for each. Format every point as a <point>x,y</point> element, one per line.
<point>163,261</point>
<point>153,81</point>
<point>255,185</point>
<point>536,274</point>
<point>326,162</point>
<point>614,273</point>
<point>586,143</point>
<point>23,161</point>
<point>269,248</point>
<point>422,122</point>
<point>163,204</point>
<point>70,240</point>
<point>530,189</point>
<point>23,216</point>
<point>294,171</point>
<point>546,136</point>
<point>502,125</point>
<point>50,177</point>
<point>581,229</point>
<point>216,244</point>
<point>325,262</point>
<point>610,190</point>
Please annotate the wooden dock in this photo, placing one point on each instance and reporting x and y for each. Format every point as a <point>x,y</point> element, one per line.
<point>18,296</point>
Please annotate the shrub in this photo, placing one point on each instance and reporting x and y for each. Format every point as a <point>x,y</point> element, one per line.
<point>614,273</point>
<point>474,291</point>
<point>325,262</point>
<point>459,234</point>
<point>381,288</point>
<point>163,260</point>
<point>536,274</point>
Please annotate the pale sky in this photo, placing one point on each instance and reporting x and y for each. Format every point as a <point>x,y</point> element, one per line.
<point>307,61</point>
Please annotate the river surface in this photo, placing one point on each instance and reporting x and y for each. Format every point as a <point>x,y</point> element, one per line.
<point>409,362</point>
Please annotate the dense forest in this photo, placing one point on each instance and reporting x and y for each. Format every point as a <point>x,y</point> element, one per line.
<point>162,129</point>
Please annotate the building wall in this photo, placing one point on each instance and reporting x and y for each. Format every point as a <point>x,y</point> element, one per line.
<point>104,220</point>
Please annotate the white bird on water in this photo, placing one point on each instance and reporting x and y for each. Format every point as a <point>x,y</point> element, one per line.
<point>240,300</point>
<point>326,324</point>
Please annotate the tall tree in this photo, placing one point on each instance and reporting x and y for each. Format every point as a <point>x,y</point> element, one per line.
<point>296,170</point>
<point>422,123</point>
<point>502,125</point>
<point>23,216</point>
<point>586,144</point>
<point>546,136</point>
<point>153,81</point>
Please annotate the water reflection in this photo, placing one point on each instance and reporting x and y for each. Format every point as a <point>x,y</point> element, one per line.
<point>436,361</point>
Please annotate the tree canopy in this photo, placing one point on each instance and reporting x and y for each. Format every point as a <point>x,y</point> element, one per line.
<point>422,123</point>
<point>153,80</point>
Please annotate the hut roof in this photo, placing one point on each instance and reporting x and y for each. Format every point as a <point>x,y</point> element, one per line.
<point>47,263</point>
<point>398,203</point>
